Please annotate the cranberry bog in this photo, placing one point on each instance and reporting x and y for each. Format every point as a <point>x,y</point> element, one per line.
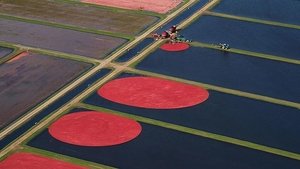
<point>270,10</point>
<point>192,105</point>
<point>77,14</point>
<point>29,78</point>
<point>23,160</point>
<point>154,146</point>
<point>62,40</point>
<point>159,6</point>
<point>266,38</point>
<point>257,127</point>
<point>244,72</point>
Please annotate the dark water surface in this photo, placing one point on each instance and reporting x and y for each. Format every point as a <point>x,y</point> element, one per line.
<point>255,37</point>
<point>5,51</point>
<point>135,50</point>
<point>180,18</point>
<point>184,15</point>
<point>247,119</point>
<point>286,11</point>
<point>241,72</point>
<point>158,147</point>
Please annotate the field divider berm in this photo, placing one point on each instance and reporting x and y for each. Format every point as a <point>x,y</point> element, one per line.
<point>65,26</point>
<point>65,158</point>
<point>75,57</point>
<point>15,52</point>
<point>247,19</point>
<point>246,52</point>
<point>103,64</point>
<point>200,133</point>
<point>219,88</point>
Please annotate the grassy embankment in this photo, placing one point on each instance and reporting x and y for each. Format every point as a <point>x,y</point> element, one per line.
<point>222,89</point>
<point>200,133</point>
<point>245,52</point>
<point>247,19</point>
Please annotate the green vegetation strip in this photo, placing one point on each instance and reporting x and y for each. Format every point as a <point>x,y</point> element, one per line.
<point>241,18</point>
<point>245,52</point>
<point>11,55</point>
<point>221,89</point>
<point>64,158</point>
<point>51,53</point>
<point>63,26</point>
<point>199,133</point>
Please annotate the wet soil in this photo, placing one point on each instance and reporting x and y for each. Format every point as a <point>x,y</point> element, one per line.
<point>29,80</point>
<point>78,15</point>
<point>62,40</point>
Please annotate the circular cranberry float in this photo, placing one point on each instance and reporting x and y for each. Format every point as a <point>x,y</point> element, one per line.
<point>92,128</point>
<point>153,93</point>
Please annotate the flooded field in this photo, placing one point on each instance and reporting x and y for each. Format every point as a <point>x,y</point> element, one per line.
<point>5,51</point>
<point>258,121</point>
<point>161,147</point>
<point>135,50</point>
<point>202,107</point>
<point>275,10</point>
<point>229,70</point>
<point>30,78</point>
<point>79,15</point>
<point>62,40</point>
<point>261,38</point>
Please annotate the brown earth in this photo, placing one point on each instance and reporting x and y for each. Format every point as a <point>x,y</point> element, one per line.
<point>78,15</point>
<point>159,6</point>
<point>62,40</point>
<point>28,80</point>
